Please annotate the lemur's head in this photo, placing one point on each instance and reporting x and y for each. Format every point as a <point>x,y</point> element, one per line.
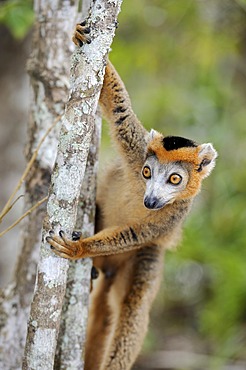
<point>174,169</point>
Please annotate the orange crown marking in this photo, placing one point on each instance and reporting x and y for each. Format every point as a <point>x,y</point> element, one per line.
<point>187,154</point>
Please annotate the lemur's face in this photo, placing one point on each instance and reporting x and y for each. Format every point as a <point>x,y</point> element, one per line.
<point>164,182</point>
<point>174,169</point>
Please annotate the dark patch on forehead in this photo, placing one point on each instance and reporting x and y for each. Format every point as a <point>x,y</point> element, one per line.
<point>176,142</point>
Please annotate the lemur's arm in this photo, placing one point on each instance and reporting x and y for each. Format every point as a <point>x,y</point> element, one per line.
<point>126,129</point>
<point>118,239</point>
<point>128,132</point>
<point>109,241</point>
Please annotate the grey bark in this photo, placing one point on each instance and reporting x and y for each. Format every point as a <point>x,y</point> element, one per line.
<point>87,74</point>
<point>49,69</point>
<point>72,334</point>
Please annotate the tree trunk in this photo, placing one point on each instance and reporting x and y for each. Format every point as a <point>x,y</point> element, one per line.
<point>72,334</point>
<point>77,125</point>
<point>49,70</point>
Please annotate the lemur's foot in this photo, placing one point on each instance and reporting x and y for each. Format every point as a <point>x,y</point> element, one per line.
<point>80,36</point>
<point>64,247</point>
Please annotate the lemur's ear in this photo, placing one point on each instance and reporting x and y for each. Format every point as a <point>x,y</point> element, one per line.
<point>151,135</point>
<point>207,155</point>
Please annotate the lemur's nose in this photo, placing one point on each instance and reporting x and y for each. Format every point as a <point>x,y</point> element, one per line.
<point>151,202</point>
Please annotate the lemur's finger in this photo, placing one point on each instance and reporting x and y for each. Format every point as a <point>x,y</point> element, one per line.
<point>55,239</point>
<point>76,41</point>
<point>87,30</point>
<point>62,234</point>
<point>81,34</point>
<point>59,248</point>
<point>57,244</point>
<point>82,29</point>
<point>66,241</point>
<point>61,254</point>
<point>79,39</point>
<point>54,244</point>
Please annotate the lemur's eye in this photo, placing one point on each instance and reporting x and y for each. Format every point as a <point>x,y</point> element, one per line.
<point>175,179</point>
<point>146,172</point>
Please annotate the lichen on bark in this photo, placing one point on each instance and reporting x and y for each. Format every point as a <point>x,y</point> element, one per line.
<point>87,70</point>
<point>48,67</point>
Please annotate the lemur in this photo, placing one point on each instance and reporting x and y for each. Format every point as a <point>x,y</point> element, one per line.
<point>143,200</point>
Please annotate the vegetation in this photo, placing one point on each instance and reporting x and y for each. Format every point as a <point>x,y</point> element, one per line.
<point>18,16</point>
<point>184,66</point>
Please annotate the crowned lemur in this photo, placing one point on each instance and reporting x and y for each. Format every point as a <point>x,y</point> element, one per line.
<point>143,198</point>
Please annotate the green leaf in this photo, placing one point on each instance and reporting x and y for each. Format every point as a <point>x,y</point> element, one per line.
<point>18,16</point>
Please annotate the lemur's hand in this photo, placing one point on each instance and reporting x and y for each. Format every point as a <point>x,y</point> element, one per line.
<point>64,247</point>
<point>81,34</point>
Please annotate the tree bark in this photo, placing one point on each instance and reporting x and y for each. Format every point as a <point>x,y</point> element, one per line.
<point>87,74</point>
<point>72,334</point>
<point>49,70</point>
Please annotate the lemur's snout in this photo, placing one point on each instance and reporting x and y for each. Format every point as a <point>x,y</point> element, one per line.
<point>152,202</point>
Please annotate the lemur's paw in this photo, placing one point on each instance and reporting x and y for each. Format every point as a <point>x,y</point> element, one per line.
<point>80,36</point>
<point>64,247</point>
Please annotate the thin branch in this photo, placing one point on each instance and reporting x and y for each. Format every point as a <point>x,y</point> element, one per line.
<point>23,216</point>
<point>15,201</point>
<point>8,205</point>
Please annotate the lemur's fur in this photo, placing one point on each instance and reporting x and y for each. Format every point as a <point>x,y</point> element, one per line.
<point>143,201</point>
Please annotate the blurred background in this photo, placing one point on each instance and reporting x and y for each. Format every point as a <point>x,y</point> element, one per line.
<point>184,65</point>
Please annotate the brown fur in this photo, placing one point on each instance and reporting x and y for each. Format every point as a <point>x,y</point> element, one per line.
<point>129,248</point>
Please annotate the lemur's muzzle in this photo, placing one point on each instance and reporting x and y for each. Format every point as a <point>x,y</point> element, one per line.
<point>152,202</point>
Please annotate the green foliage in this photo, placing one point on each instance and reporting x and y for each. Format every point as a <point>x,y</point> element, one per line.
<point>183,64</point>
<point>18,16</point>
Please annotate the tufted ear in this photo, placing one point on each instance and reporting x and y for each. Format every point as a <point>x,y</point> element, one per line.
<point>151,135</point>
<point>206,156</point>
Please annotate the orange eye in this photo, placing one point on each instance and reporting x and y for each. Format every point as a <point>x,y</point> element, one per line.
<point>146,172</point>
<point>175,179</point>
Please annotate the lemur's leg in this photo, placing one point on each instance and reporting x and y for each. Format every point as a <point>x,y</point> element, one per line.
<point>99,326</point>
<point>134,316</point>
<point>128,132</point>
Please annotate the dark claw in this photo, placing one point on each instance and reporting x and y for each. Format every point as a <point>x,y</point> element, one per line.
<point>94,273</point>
<point>61,233</point>
<point>51,232</point>
<point>83,23</point>
<point>87,30</point>
<point>80,42</point>
<point>76,235</point>
<point>88,41</point>
<point>51,247</point>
